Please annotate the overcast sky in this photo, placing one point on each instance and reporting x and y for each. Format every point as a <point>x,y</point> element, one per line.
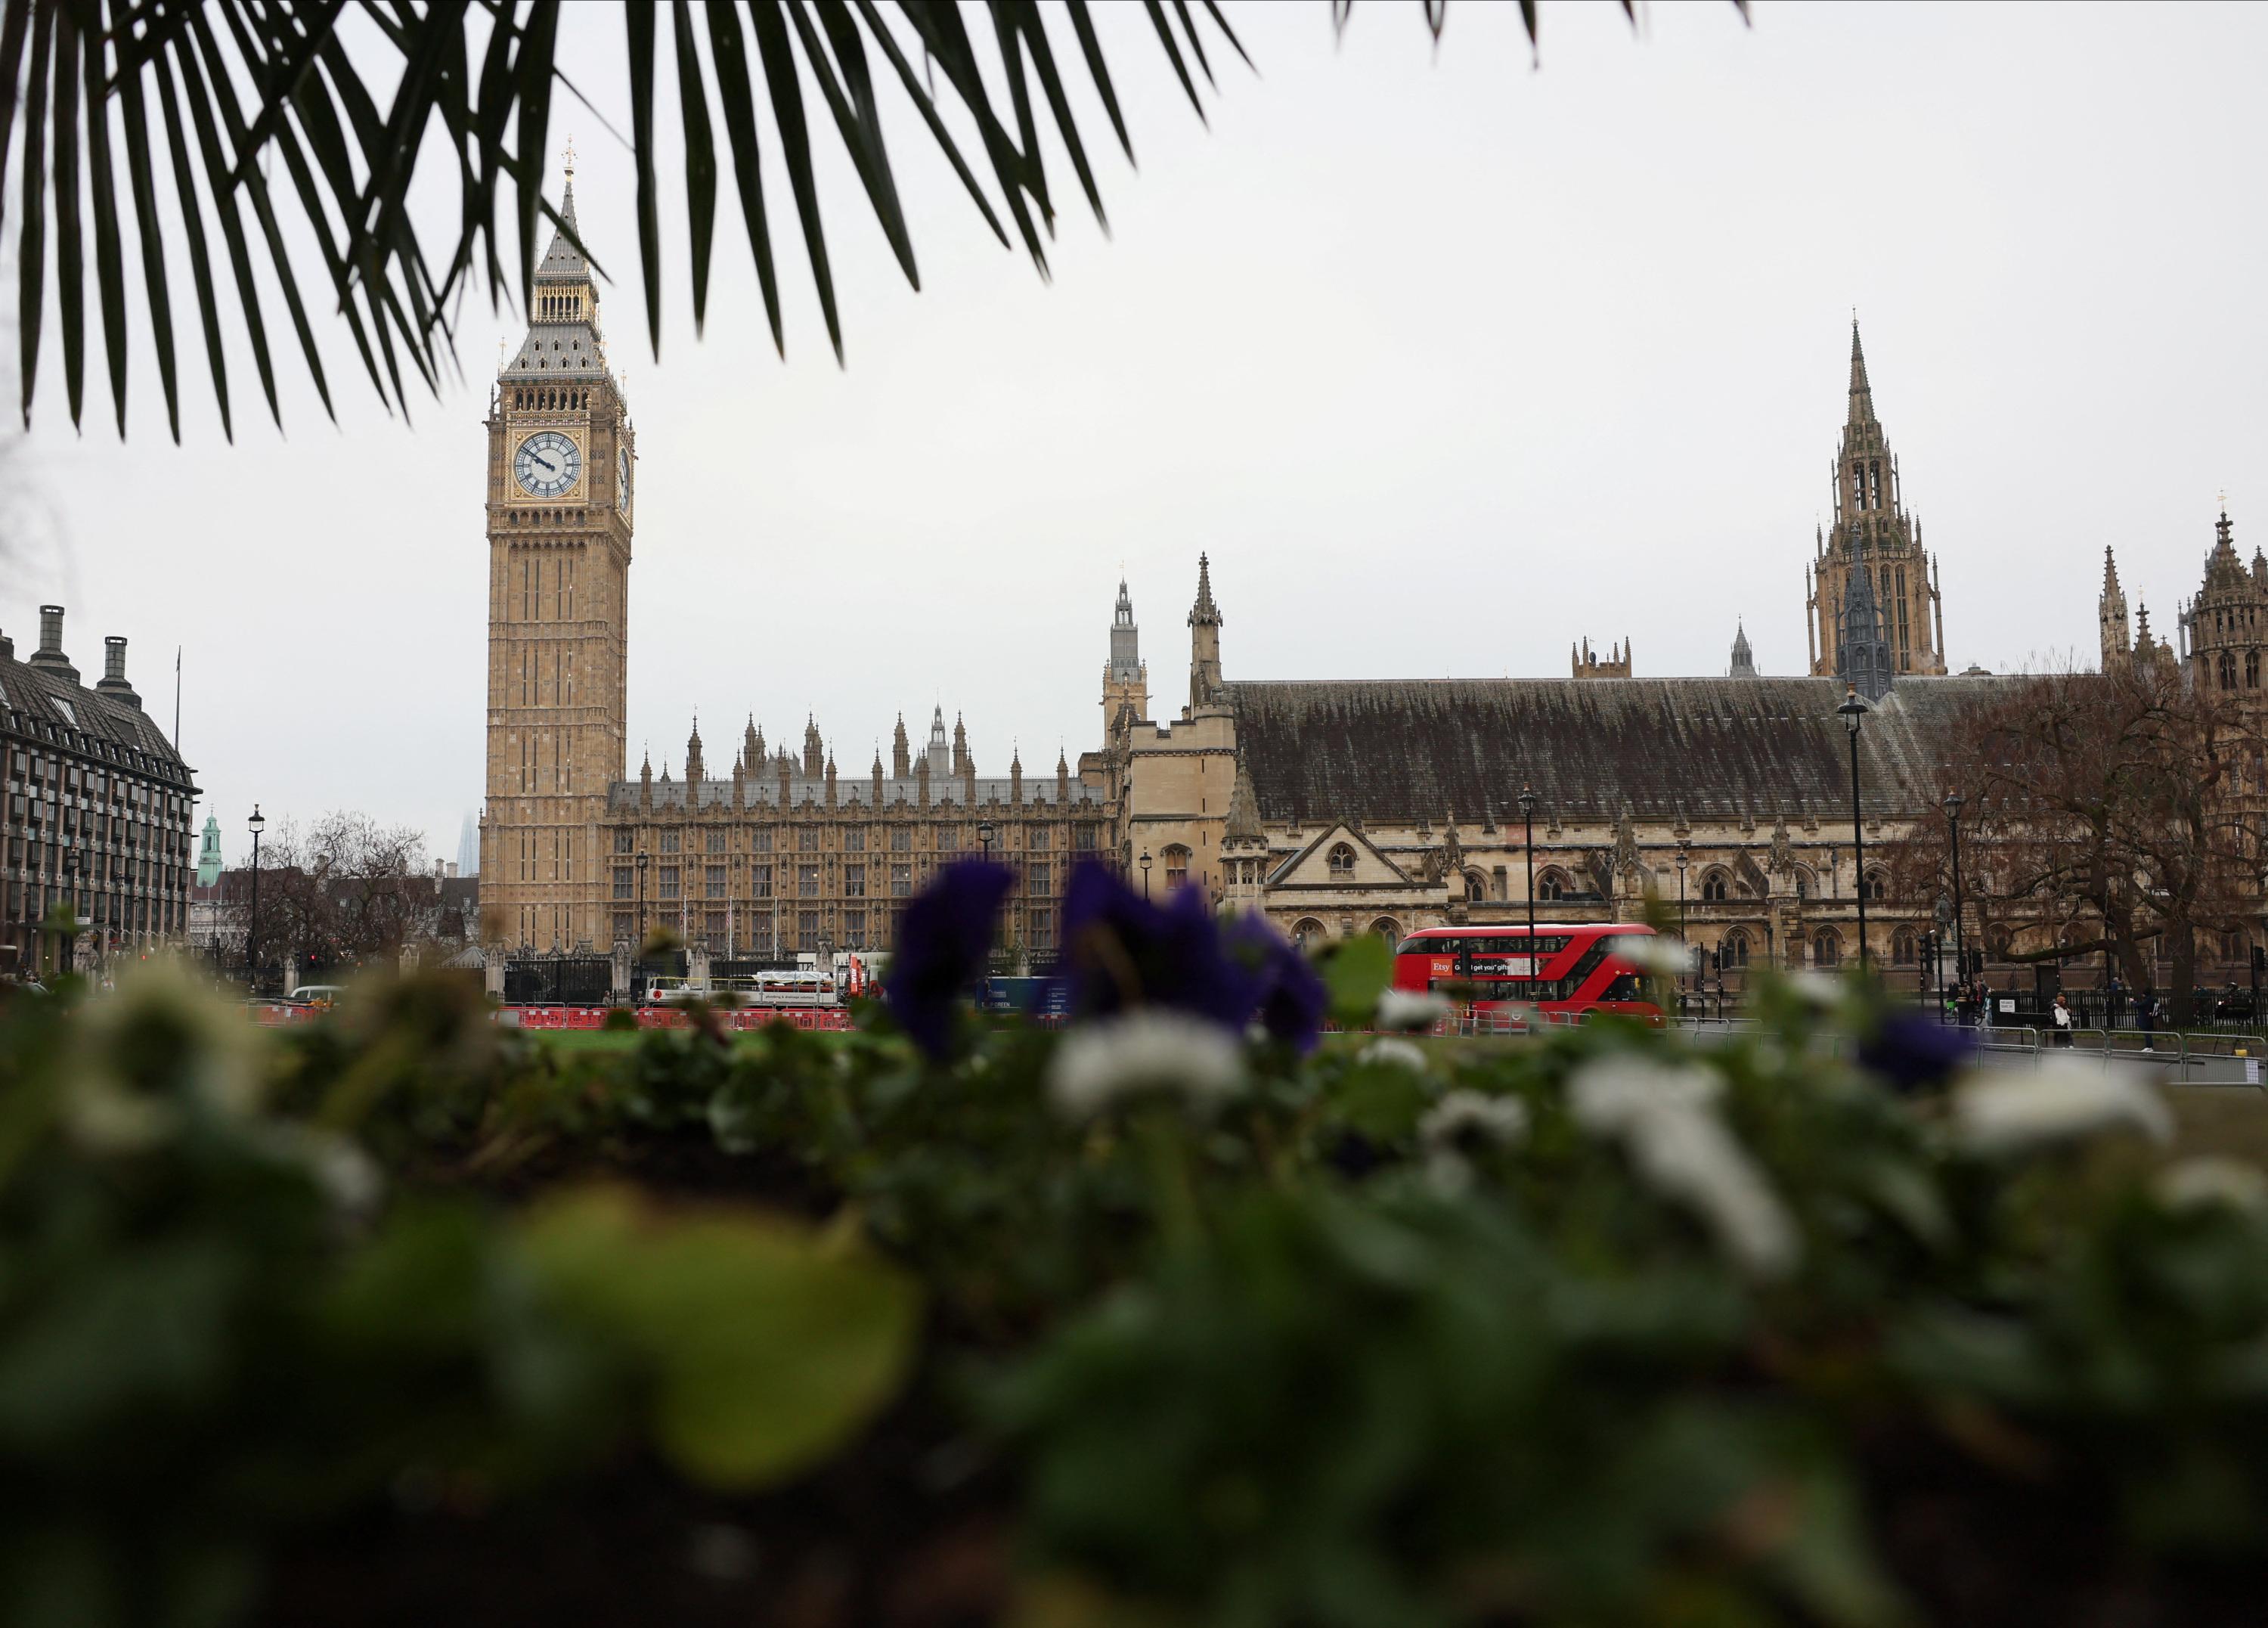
<point>1447,359</point>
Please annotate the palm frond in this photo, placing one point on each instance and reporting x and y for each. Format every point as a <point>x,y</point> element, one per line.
<point>238,83</point>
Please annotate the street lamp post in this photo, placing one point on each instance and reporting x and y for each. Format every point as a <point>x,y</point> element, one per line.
<point>1853,711</point>
<point>1146,873</point>
<point>252,923</point>
<point>1682,942</point>
<point>1960,942</point>
<point>1528,841</point>
<point>985,835</point>
<point>643,859</point>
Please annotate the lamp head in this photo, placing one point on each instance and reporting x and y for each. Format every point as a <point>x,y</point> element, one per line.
<point>1527,803</point>
<point>1145,859</point>
<point>984,832</point>
<point>1852,709</point>
<point>644,858</point>
<point>1953,800</point>
<point>256,824</point>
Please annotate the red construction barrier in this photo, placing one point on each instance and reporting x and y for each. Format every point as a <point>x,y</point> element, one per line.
<point>813,1019</point>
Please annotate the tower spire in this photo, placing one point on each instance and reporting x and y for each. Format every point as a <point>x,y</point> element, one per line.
<point>1862,396</point>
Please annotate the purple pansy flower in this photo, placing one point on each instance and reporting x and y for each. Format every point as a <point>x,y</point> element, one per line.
<point>942,943</point>
<point>1913,1052</point>
<point>1121,951</point>
<point>1291,997</point>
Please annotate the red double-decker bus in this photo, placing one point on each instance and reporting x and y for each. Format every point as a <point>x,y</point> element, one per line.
<point>1568,972</point>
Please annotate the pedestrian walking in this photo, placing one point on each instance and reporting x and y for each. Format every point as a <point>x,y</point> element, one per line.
<point>2062,1019</point>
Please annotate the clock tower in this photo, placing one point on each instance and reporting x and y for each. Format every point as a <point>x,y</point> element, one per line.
<point>561,506</point>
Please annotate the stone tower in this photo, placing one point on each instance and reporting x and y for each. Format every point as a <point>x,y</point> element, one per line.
<point>1862,639</point>
<point>2225,627</point>
<point>1125,676</point>
<point>560,515</point>
<point>1205,642</point>
<point>2110,611</point>
<point>1873,532</point>
<point>1744,659</point>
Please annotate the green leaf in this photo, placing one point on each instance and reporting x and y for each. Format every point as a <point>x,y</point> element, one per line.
<point>700,155</point>
<point>768,1349</point>
<point>70,266</point>
<point>32,235</point>
<point>730,50</point>
<point>110,261</point>
<point>192,221</point>
<point>1354,972</point>
<point>777,55</point>
<point>638,25</point>
<point>141,179</point>
<point>12,64</point>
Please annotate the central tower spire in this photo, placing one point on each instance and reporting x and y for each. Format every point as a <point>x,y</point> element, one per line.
<point>1873,532</point>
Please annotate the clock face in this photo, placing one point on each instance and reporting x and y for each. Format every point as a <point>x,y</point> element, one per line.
<point>622,479</point>
<point>547,464</point>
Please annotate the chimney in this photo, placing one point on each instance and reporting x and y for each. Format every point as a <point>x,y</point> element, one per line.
<point>114,673</point>
<point>50,653</point>
<point>7,648</point>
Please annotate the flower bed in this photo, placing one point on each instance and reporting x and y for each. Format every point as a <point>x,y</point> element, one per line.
<point>1173,1316</point>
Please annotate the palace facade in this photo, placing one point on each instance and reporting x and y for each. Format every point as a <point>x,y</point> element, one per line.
<point>1339,807</point>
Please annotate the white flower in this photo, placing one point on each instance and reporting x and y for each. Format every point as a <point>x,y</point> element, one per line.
<point>1394,1053</point>
<point>1655,956</point>
<point>2062,1101</point>
<point>1407,1010</point>
<point>1145,1051</point>
<point>1462,1116</point>
<point>2196,1183</point>
<point>1664,1117</point>
<point>1822,990</point>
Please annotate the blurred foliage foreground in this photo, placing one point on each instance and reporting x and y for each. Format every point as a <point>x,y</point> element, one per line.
<point>1150,1321</point>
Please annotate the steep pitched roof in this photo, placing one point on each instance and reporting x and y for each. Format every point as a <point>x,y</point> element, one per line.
<point>41,701</point>
<point>1393,751</point>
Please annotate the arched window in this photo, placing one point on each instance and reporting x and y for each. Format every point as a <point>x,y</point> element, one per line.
<point>2232,946</point>
<point>1874,886</point>
<point>1342,860</point>
<point>1307,930</point>
<point>1713,888</point>
<point>2252,669</point>
<point>1732,949</point>
<point>1551,885</point>
<point>1177,866</point>
<point>2227,671</point>
<point>1901,948</point>
<point>1826,948</point>
<point>1997,940</point>
<point>1476,887</point>
<point>1386,928</point>
<point>1804,882</point>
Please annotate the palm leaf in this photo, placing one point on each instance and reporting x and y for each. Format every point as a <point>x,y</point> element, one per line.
<point>32,233</point>
<point>277,80</point>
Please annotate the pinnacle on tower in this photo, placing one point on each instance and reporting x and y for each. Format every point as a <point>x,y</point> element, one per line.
<point>1862,397</point>
<point>1205,612</point>
<point>1123,614</point>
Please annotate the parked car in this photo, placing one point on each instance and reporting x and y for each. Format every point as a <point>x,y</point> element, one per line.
<point>316,995</point>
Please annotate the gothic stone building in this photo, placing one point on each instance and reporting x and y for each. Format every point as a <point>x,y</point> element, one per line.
<point>1346,808</point>
<point>778,855</point>
<point>98,808</point>
<point>1339,808</point>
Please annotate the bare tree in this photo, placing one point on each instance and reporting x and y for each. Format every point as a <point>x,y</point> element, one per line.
<point>2112,811</point>
<point>345,889</point>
